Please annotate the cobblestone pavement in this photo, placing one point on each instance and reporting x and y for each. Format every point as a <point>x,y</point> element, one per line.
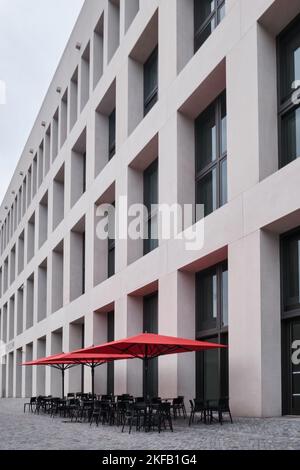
<point>32,432</point>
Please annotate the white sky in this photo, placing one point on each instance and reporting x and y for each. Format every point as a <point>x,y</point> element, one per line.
<point>33,35</point>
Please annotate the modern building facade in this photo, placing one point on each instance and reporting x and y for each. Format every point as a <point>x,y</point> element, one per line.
<point>163,101</point>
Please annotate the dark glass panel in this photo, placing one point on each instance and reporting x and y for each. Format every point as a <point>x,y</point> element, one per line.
<point>150,199</point>
<point>291,274</point>
<point>206,138</point>
<point>207,298</point>
<point>112,134</point>
<point>110,365</point>
<point>225,297</point>
<point>203,35</point>
<point>291,136</point>
<point>206,192</point>
<point>203,10</point>
<point>224,196</point>
<point>150,325</point>
<point>151,81</point>
<point>290,62</point>
<point>223,125</point>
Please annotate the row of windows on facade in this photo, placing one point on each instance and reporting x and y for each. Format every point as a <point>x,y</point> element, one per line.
<point>207,16</point>
<point>14,264</point>
<point>211,323</point>
<point>211,145</point>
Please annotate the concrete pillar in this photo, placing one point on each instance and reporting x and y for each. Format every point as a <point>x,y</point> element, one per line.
<point>177,372</point>
<point>255,325</point>
<point>251,93</point>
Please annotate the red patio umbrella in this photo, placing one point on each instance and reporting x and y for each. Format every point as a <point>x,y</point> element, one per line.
<point>147,346</point>
<point>65,361</point>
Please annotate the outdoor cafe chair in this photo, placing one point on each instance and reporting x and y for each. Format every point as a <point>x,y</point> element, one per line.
<point>163,417</point>
<point>178,407</point>
<point>31,405</point>
<point>197,406</point>
<point>220,407</point>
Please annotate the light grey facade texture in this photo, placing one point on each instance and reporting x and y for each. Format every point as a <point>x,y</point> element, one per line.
<point>169,101</point>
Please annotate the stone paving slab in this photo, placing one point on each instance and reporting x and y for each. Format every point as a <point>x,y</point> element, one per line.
<point>19,431</point>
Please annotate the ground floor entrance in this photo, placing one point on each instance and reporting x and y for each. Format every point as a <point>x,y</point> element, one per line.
<point>291,366</point>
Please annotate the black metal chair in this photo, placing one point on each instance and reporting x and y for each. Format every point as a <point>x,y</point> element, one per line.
<point>161,417</point>
<point>132,417</point>
<point>197,406</point>
<point>31,405</point>
<point>178,407</point>
<point>220,407</point>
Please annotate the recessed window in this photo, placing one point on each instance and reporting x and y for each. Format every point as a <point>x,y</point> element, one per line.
<point>211,156</point>
<point>151,81</point>
<point>212,326</point>
<point>207,15</point>
<point>112,134</point>
<point>291,273</point>
<point>150,325</point>
<point>289,109</point>
<point>111,249</point>
<point>150,200</point>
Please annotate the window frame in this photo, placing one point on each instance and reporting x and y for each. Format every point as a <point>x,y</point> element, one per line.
<point>147,248</point>
<point>111,142</point>
<point>285,104</point>
<point>111,246</point>
<point>215,14</point>
<point>151,98</point>
<point>287,313</point>
<point>220,157</point>
<point>218,334</point>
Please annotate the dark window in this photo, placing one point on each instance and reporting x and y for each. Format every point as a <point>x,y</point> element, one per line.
<point>112,134</point>
<point>151,81</point>
<point>212,326</point>
<point>111,253</point>
<point>151,199</point>
<point>150,325</point>
<point>83,263</point>
<point>207,15</point>
<point>290,312</point>
<point>211,156</point>
<point>84,173</point>
<point>110,365</point>
<point>289,110</point>
<point>291,272</point>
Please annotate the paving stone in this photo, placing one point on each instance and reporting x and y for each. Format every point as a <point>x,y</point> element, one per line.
<point>39,432</point>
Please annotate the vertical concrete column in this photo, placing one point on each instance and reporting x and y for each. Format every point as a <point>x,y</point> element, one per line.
<point>67,268</point>
<point>128,322</point>
<point>251,93</point>
<point>167,38</point>
<point>255,325</point>
<point>48,369</point>
<point>89,248</point>
<point>177,318</point>
<point>34,371</point>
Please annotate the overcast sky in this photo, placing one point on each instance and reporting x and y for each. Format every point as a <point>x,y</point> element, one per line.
<point>33,35</point>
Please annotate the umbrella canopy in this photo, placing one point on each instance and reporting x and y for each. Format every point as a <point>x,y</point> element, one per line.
<point>147,346</point>
<point>66,361</point>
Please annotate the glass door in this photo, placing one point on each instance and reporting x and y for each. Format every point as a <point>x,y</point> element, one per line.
<point>295,366</point>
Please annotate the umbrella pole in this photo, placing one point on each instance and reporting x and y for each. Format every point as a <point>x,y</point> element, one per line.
<point>63,381</point>
<point>146,362</point>
<point>93,380</point>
